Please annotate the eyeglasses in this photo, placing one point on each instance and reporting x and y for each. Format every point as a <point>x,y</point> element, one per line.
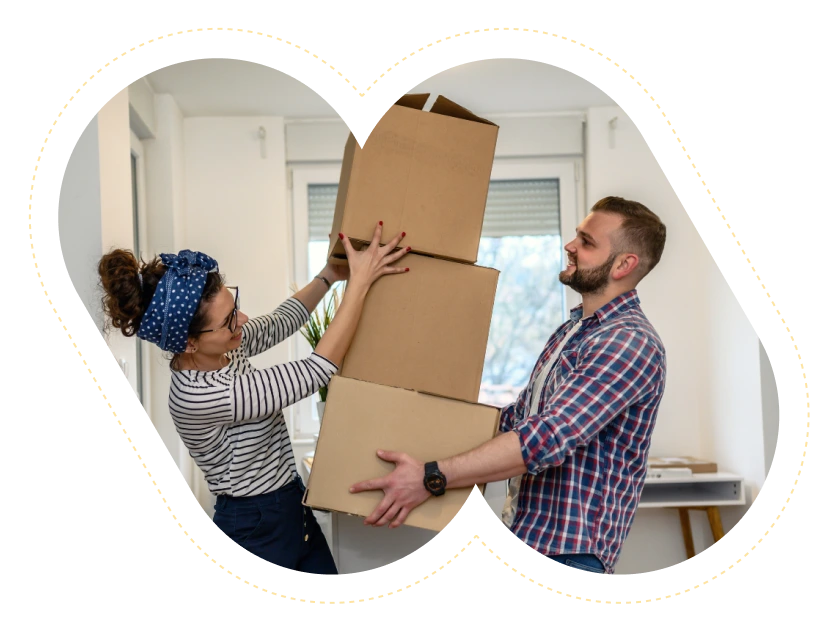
<point>232,320</point>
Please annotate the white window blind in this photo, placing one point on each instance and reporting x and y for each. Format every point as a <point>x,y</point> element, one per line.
<point>513,207</point>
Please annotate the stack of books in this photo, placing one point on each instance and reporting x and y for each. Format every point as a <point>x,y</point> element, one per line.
<point>695,465</point>
<point>668,473</point>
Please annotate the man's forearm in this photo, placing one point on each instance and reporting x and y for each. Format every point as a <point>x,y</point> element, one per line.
<point>498,459</point>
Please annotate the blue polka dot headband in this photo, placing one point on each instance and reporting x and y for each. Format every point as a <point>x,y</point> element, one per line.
<point>176,298</point>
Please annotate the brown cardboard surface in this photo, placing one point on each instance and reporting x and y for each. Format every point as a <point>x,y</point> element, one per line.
<point>361,418</point>
<point>426,329</point>
<point>424,173</point>
<point>697,466</point>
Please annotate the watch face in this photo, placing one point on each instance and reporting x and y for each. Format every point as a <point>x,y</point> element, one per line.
<point>435,482</point>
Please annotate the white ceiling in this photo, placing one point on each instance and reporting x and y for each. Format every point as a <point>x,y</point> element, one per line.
<point>254,90</point>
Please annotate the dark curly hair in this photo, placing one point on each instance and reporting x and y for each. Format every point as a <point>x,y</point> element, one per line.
<point>125,299</point>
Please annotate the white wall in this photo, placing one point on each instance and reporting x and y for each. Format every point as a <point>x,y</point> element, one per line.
<point>141,109</point>
<point>672,294</point>
<point>236,205</point>
<point>236,211</point>
<point>80,219</point>
<point>117,204</point>
<point>770,407</point>
<point>734,430</point>
<point>165,217</point>
<point>712,403</point>
<point>550,135</point>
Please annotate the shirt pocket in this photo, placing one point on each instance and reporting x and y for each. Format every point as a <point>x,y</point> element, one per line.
<point>567,362</point>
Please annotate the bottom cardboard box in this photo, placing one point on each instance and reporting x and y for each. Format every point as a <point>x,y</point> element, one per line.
<point>362,417</point>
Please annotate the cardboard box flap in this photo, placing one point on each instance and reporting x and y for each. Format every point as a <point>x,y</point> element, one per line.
<point>335,245</point>
<point>446,107</point>
<point>415,101</point>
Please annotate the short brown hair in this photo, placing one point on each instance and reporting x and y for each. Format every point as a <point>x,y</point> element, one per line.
<point>641,232</point>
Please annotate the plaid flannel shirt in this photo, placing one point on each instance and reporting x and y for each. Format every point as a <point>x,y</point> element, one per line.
<point>586,449</point>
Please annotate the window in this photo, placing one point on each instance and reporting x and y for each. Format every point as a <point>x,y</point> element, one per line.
<point>526,207</point>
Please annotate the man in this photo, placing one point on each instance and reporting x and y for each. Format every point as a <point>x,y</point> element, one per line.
<point>578,435</point>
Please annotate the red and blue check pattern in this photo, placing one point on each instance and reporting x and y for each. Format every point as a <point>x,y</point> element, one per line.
<point>586,449</point>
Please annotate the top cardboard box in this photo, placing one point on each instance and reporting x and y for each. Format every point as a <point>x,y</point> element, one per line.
<point>424,173</point>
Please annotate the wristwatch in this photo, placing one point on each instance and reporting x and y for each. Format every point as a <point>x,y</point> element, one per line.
<point>434,481</point>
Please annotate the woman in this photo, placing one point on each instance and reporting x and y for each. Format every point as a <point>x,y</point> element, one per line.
<point>227,413</point>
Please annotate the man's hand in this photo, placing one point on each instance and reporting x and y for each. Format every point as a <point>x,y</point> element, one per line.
<point>404,489</point>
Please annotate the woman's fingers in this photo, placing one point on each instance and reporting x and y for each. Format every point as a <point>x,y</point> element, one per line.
<point>369,263</point>
<point>395,255</point>
<point>393,270</point>
<point>376,235</point>
<point>388,248</point>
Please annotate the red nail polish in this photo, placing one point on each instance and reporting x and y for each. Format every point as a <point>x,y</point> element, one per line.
<point>403,233</point>
<point>340,235</point>
<point>407,270</point>
<point>380,223</point>
<point>408,249</point>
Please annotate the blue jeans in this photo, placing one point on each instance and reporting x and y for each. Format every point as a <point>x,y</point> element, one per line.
<point>277,527</point>
<point>585,562</point>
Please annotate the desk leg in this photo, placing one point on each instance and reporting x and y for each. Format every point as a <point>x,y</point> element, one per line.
<point>686,530</point>
<point>715,523</point>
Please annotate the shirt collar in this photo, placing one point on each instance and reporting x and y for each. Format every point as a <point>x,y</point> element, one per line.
<point>616,305</point>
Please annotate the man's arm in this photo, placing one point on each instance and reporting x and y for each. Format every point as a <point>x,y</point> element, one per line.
<point>616,371</point>
<point>496,460</point>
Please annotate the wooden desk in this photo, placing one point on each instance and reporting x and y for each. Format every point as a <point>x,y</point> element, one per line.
<point>703,492</point>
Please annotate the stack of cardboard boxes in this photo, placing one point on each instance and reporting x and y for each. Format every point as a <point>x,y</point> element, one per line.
<point>411,379</point>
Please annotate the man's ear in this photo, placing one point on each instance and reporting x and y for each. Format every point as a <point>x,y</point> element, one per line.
<point>627,263</point>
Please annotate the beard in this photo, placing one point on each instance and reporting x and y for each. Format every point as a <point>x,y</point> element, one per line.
<point>591,281</point>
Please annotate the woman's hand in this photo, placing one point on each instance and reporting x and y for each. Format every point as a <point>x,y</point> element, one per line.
<point>367,265</point>
<point>334,272</point>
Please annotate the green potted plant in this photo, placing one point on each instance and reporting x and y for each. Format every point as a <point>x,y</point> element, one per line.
<point>316,326</point>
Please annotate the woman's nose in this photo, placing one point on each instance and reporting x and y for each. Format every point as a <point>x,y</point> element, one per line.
<point>241,318</point>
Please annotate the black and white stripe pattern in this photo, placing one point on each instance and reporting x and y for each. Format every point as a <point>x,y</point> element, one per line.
<point>231,419</point>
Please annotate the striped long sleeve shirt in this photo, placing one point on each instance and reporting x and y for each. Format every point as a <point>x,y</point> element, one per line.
<point>586,447</point>
<point>231,419</point>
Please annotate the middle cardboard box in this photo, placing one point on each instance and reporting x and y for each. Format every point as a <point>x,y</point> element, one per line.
<point>427,329</point>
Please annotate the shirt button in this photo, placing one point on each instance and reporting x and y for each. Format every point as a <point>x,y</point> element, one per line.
<point>306,537</point>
